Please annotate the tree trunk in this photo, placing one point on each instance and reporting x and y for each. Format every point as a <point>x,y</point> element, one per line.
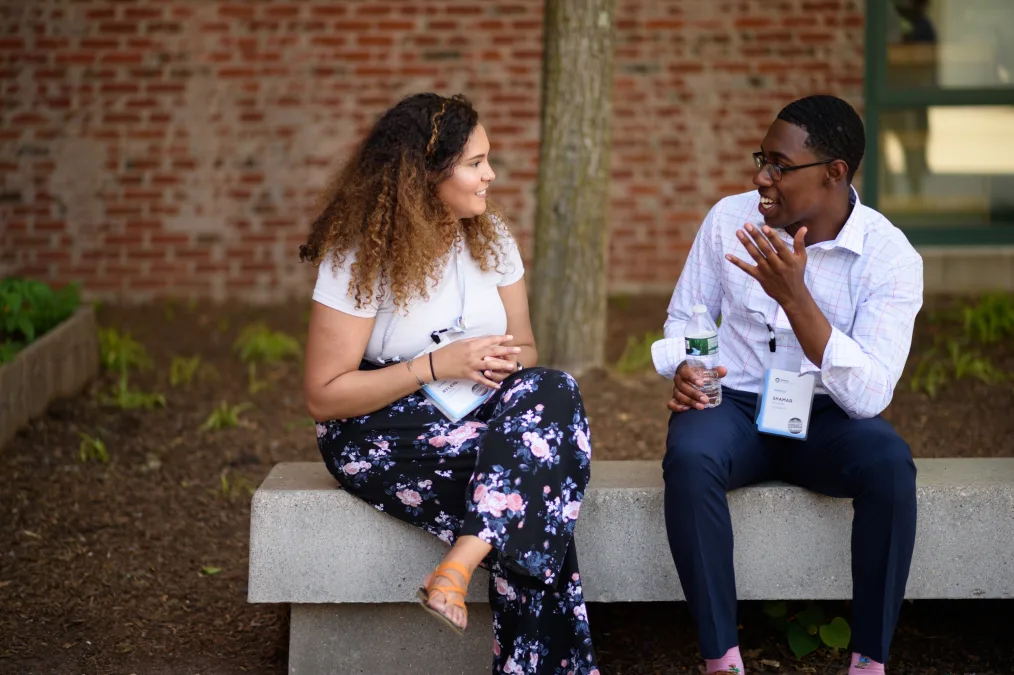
<point>569,275</point>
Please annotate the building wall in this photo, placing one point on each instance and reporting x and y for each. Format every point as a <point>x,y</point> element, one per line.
<point>176,147</point>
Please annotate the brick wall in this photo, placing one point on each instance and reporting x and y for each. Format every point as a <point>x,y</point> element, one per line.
<point>177,147</point>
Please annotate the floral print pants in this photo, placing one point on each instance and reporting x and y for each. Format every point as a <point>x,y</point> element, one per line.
<point>512,473</point>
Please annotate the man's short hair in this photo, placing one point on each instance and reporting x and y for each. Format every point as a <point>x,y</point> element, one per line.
<point>835,129</point>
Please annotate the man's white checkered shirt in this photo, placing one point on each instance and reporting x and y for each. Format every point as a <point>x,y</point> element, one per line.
<point>867,282</point>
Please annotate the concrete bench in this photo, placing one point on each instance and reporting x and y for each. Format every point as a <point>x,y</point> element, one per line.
<point>350,572</point>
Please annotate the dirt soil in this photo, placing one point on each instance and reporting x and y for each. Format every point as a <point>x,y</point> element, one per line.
<point>139,565</point>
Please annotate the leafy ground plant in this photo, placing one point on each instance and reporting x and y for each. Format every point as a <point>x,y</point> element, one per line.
<point>230,488</point>
<point>92,448</point>
<point>29,309</point>
<point>225,416</point>
<point>182,370</point>
<point>636,355</point>
<point>806,630</point>
<point>949,361</point>
<point>121,353</point>
<point>259,345</point>
<point>991,319</point>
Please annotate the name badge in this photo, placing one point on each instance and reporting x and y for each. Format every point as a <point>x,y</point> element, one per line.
<point>786,402</point>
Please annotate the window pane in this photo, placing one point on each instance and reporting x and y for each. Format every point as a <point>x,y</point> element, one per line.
<point>947,166</point>
<point>950,44</point>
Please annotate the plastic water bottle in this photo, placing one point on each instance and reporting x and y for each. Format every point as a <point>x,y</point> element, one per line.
<point>701,337</point>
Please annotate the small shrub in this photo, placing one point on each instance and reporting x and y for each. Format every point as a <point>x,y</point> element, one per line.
<point>806,630</point>
<point>636,355</point>
<point>120,352</point>
<point>28,309</point>
<point>968,363</point>
<point>257,344</point>
<point>92,448</point>
<point>169,309</point>
<point>232,488</point>
<point>952,360</point>
<point>182,370</point>
<point>303,423</point>
<point>225,417</point>
<point>930,375</point>
<point>991,319</point>
<point>125,398</point>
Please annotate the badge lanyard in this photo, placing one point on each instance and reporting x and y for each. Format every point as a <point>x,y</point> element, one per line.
<point>772,339</point>
<point>457,328</point>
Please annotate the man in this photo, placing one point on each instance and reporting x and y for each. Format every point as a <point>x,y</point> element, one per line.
<point>801,264</point>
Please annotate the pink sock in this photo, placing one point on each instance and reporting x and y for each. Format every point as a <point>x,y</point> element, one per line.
<point>731,662</point>
<point>864,665</point>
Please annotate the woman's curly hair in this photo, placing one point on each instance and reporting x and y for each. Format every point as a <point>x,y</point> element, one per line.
<point>384,206</point>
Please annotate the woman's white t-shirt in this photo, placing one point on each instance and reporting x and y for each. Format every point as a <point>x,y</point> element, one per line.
<point>483,311</point>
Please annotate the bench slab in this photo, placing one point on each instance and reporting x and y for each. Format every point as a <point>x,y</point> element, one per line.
<point>311,542</point>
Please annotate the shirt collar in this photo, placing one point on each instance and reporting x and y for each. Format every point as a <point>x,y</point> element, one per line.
<point>853,234</point>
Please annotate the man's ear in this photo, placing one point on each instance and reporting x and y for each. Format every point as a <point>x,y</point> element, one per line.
<point>837,171</point>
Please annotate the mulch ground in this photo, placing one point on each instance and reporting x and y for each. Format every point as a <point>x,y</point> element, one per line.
<point>139,565</point>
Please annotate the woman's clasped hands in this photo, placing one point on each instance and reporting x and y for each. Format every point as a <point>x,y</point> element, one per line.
<point>486,360</point>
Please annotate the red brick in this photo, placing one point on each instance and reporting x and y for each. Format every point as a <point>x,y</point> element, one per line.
<point>98,14</point>
<point>283,71</point>
<point>282,11</point>
<point>235,10</point>
<point>328,10</point>
<point>123,58</point>
<point>142,13</point>
<point>74,58</point>
<point>118,28</point>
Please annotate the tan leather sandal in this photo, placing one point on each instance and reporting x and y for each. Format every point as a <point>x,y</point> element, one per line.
<point>425,593</point>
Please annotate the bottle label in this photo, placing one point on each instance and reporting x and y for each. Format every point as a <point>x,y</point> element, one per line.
<point>703,346</point>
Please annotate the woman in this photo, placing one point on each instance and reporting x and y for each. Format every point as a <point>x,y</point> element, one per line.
<point>410,258</point>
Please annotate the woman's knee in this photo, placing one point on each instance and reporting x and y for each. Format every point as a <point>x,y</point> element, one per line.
<point>553,378</point>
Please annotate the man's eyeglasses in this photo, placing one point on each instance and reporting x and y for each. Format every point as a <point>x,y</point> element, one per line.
<point>775,171</point>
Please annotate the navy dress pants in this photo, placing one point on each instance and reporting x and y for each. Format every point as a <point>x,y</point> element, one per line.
<point>718,449</point>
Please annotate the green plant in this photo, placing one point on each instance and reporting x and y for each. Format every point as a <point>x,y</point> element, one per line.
<point>92,448</point>
<point>225,416</point>
<point>303,423</point>
<point>257,344</point>
<point>620,301</point>
<point>125,398</point>
<point>169,309</point>
<point>232,488</point>
<point>120,352</point>
<point>637,354</point>
<point>182,370</point>
<point>806,630</point>
<point>930,375</point>
<point>968,363</point>
<point>991,319</point>
<point>29,309</point>
<point>951,360</point>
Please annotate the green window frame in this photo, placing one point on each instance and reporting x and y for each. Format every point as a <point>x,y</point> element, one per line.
<point>879,98</point>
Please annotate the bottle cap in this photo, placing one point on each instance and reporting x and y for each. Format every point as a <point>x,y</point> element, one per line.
<point>700,309</point>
